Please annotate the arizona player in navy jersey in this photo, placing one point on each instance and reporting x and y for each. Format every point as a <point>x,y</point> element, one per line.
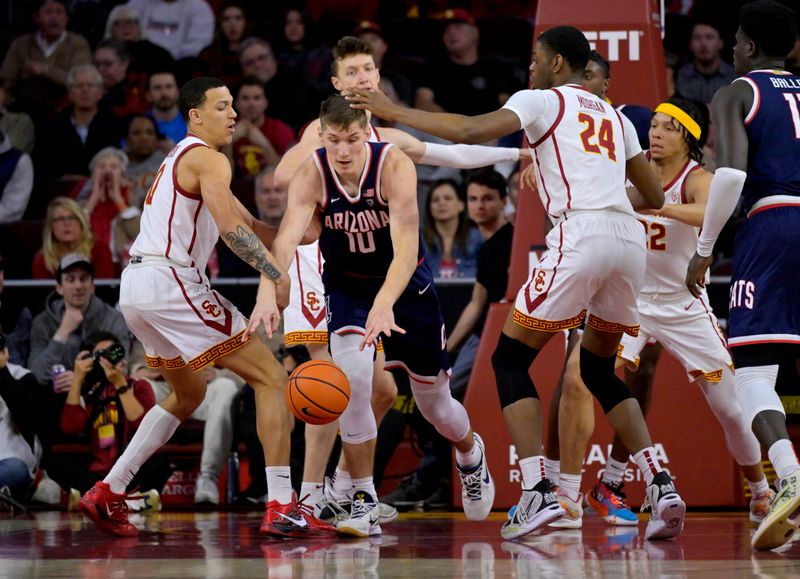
<point>758,157</point>
<point>377,283</point>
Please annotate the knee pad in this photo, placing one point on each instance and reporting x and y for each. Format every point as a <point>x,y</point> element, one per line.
<point>437,405</point>
<point>511,361</point>
<point>598,374</point>
<point>755,389</point>
<point>357,423</point>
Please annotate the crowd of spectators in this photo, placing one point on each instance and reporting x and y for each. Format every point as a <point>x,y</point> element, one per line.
<point>89,109</point>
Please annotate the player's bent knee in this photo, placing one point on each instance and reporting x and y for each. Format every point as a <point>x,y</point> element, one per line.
<point>437,406</point>
<point>755,389</point>
<point>597,372</point>
<point>572,387</point>
<point>511,361</point>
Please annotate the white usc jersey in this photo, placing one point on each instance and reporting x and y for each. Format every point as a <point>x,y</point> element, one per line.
<point>175,224</point>
<point>580,145</point>
<point>670,243</point>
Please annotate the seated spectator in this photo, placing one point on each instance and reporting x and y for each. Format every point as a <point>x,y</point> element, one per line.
<point>71,313</point>
<point>258,139</point>
<point>105,193</point>
<point>124,24</point>
<point>183,27</point>
<point>217,414</point>
<point>125,90</point>
<point>77,132</point>
<point>15,323</point>
<point>297,48</point>
<point>293,95</point>
<point>222,57</point>
<point>451,243</point>
<point>144,157</point>
<point>463,82</point>
<point>20,449</point>
<point>162,93</point>
<point>699,79</point>
<point>373,33</point>
<point>106,404</point>
<point>16,181</point>
<point>270,201</point>
<point>18,127</point>
<point>36,65</point>
<point>67,231</point>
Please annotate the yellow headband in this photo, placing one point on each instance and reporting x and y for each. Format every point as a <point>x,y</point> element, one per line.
<point>680,115</point>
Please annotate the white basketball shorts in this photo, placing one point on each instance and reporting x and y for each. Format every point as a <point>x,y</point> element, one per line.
<point>595,264</point>
<point>176,315</point>
<point>304,319</point>
<point>686,327</point>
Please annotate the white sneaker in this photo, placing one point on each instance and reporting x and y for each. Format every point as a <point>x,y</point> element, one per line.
<point>667,509</point>
<point>148,501</point>
<point>47,492</point>
<point>783,518</point>
<point>364,519</point>
<point>206,490</point>
<point>573,517</point>
<point>537,507</point>
<point>388,514</point>
<point>477,487</point>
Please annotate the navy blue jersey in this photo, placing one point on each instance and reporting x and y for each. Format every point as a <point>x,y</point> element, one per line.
<point>356,241</point>
<point>773,132</point>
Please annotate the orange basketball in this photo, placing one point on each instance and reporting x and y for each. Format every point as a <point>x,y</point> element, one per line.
<point>317,392</point>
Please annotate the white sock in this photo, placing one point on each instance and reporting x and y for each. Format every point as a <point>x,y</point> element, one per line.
<point>365,484</point>
<point>532,471</point>
<point>279,484</point>
<point>570,486</point>
<point>470,459</point>
<point>342,483</point>
<point>782,457</point>
<point>155,429</point>
<point>758,488</point>
<point>648,463</point>
<point>311,493</point>
<point>552,469</point>
<point>614,471</point>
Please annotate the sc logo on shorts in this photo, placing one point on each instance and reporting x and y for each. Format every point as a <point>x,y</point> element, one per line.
<point>211,309</point>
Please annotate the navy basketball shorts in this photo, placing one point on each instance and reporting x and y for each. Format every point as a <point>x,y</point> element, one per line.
<point>765,283</point>
<point>420,352</point>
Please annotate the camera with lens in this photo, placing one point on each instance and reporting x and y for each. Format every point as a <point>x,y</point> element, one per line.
<point>115,353</point>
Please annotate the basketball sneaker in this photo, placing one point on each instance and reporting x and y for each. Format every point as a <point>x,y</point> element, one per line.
<point>108,510</point>
<point>477,487</point>
<point>364,518</point>
<point>608,501</point>
<point>573,513</point>
<point>536,507</point>
<point>294,519</point>
<point>783,518</point>
<point>667,509</point>
<point>759,505</point>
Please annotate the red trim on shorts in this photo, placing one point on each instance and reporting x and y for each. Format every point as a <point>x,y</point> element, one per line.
<point>713,325</point>
<point>532,305</point>
<point>774,206</point>
<point>555,124</point>
<point>397,365</point>
<point>222,328</point>
<point>755,342</point>
<point>312,319</point>
<point>175,183</point>
<point>563,175</point>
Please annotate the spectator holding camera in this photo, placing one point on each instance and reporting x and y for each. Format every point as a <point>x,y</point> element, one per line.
<point>107,404</point>
<point>20,449</point>
<point>71,313</point>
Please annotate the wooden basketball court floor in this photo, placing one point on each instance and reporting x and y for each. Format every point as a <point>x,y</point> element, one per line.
<point>227,544</point>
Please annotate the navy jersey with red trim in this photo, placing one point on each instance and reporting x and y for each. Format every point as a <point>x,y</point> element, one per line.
<point>356,239</point>
<point>773,132</point>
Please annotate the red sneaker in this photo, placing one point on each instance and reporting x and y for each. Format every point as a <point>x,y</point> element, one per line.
<point>295,519</point>
<point>108,510</point>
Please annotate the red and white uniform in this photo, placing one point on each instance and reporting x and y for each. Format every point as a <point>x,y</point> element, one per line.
<point>165,296</point>
<point>595,261</point>
<point>305,318</point>
<point>668,313</point>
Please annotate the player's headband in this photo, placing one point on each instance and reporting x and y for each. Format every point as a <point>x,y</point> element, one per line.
<point>680,115</point>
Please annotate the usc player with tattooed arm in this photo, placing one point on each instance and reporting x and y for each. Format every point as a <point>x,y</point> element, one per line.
<point>184,325</point>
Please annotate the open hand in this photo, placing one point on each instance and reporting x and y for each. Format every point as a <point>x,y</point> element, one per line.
<point>379,321</point>
<point>374,101</point>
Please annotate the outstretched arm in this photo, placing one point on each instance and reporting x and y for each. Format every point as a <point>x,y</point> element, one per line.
<point>297,154</point>
<point>456,128</point>
<point>690,213</point>
<point>305,195</point>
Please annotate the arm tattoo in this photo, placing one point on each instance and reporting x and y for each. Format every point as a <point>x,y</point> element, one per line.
<point>249,248</point>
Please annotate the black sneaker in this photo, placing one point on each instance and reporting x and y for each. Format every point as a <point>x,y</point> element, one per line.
<point>439,500</point>
<point>406,497</point>
<point>667,509</point>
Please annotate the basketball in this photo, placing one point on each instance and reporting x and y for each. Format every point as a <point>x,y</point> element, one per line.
<point>317,392</point>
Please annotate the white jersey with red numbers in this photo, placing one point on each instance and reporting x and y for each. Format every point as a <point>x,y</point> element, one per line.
<point>563,124</point>
<point>164,295</point>
<point>175,224</point>
<point>670,243</point>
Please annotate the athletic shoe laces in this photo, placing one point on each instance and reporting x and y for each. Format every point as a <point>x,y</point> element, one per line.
<point>360,508</point>
<point>472,484</point>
